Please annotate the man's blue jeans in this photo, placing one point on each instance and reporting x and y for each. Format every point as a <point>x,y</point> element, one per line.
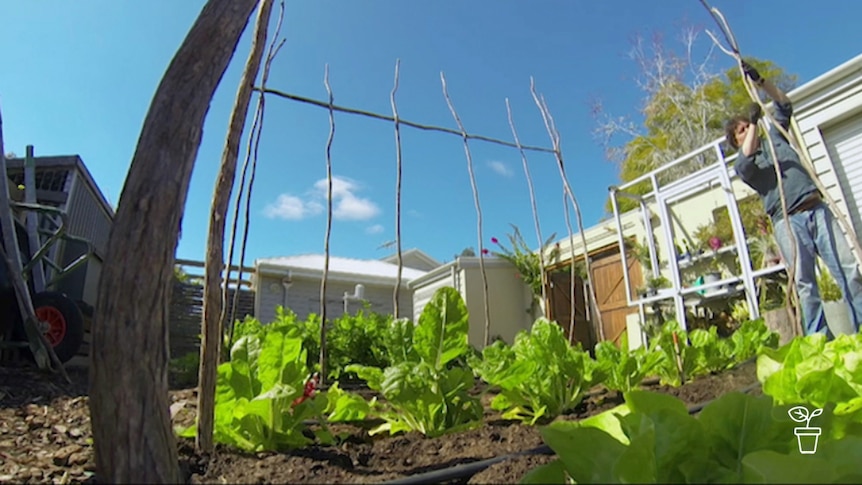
<point>818,233</point>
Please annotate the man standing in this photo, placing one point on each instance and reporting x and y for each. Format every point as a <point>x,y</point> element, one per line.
<point>814,228</point>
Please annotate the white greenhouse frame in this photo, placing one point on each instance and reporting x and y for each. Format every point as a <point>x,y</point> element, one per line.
<point>663,196</point>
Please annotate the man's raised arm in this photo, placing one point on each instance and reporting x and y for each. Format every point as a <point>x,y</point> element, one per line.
<point>783,107</point>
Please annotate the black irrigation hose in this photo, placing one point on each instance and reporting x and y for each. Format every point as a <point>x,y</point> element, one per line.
<point>467,470</point>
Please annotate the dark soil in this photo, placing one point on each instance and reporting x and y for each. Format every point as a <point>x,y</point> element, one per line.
<point>45,437</point>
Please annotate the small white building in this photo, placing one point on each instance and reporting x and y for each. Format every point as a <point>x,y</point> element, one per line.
<point>509,298</point>
<point>294,282</point>
<point>415,259</point>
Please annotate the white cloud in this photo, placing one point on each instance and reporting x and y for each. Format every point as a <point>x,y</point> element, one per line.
<point>347,205</point>
<point>292,208</point>
<point>501,168</point>
<point>375,229</point>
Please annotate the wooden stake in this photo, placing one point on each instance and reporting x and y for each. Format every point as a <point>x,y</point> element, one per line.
<point>214,306</point>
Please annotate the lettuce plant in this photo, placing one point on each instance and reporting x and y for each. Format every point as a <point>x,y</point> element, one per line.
<point>423,391</point>
<point>750,338</point>
<point>356,338</point>
<point>623,371</point>
<point>809,370</point>
<point>540,376</point>
<point>706,352</point>
<point>351,338</point>
<point>255,392</point>
<point>652,438</point>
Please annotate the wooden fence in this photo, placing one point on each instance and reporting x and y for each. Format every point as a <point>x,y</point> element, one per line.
<point>186,311</point>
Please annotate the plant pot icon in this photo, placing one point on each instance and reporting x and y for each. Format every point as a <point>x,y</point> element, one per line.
<point>807,436</point>
<point>807,439</point>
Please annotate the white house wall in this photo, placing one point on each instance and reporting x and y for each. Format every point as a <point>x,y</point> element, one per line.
<point>821,113</point>
<point>600,236</point>
<point>303,297</point>
<point>423,293</point>
<point>844,144</point>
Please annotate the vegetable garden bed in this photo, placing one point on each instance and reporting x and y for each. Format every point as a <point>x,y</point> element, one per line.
<point>45,436</point>
<point>365,459</point>
<point>435,405</point>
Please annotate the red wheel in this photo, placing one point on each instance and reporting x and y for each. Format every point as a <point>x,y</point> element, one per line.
<point>56,324</point>
<point>65,324</point>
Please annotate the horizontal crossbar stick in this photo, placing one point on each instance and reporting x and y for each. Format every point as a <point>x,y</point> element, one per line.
<point>342,109</point>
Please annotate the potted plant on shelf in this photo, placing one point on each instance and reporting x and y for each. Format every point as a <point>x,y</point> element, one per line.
<point>653,284</point>
<point>713,273</point>
<point>685,257</point>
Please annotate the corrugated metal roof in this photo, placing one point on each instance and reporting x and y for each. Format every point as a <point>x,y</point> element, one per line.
<point>360,267</point>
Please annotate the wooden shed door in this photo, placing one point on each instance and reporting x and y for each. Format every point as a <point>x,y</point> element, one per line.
<point>611,293</point>
<point>560,305</point>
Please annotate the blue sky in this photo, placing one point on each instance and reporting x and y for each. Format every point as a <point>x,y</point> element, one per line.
<point>78,78</point>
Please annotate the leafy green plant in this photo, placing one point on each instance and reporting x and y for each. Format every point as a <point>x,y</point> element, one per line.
<point>809,370</point>
<point>183,371</point>
<point>623,371</point>
<point>829,289</point>
<point>739,311</point>
<point>540,376</point>
<point>707,352</point>
<point>750,338</point>
<point>640,251</point>
<point>738,438</point>
<point>657,282</point>
<point>423,391</point>
<point>526,260</point>
<point>256,390</point>
<point>308,330</point>
<point>352,338</point>
<point>663,343</point>
<point>357,338</point>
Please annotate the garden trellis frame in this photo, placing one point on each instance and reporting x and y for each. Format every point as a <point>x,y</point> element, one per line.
<point>398,122</point>
<point>665,195</point>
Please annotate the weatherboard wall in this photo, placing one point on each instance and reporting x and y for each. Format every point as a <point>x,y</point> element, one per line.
<point>302,296</point>
<point>829,120</point>
<point>424,288</point>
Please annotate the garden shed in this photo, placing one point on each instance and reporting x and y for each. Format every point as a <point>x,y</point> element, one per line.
<point>66,183</point>
<point>294,282</point>
<point>509,298</point>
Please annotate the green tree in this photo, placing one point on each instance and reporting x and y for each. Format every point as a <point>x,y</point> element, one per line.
<point>685,106</point>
